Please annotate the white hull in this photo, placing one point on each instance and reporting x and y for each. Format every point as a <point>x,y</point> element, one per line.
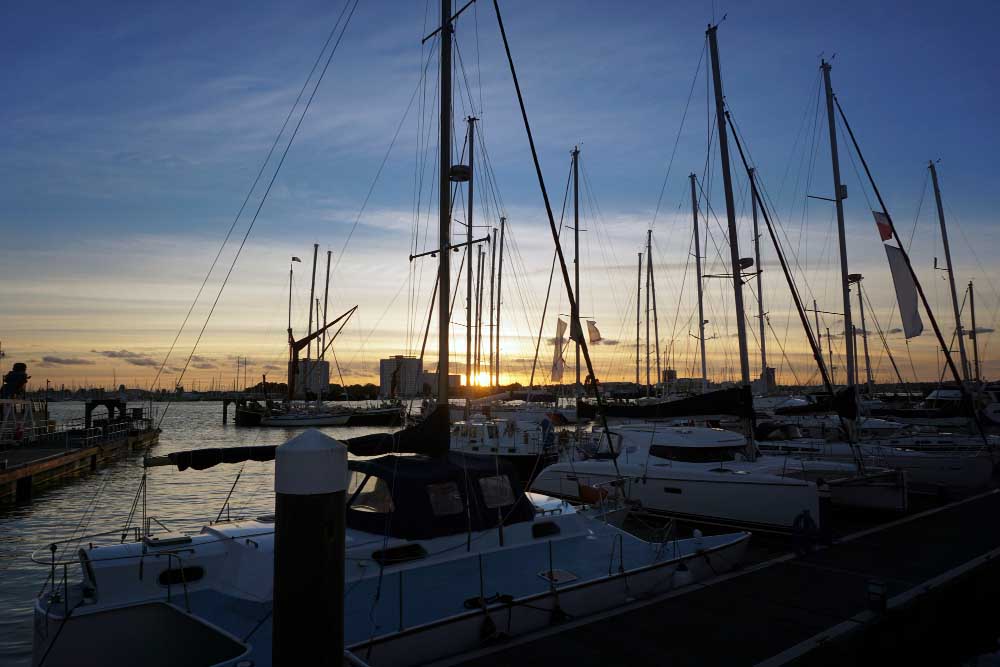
<point>295,421</point>
<point>471,631</point>
<point>951,469</point>
<point>765,502</point>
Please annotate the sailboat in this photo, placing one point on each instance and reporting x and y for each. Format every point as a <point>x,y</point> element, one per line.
<point>446,552</point>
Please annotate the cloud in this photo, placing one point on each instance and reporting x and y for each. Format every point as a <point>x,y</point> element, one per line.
<point>66,361</point>
<point>129,357</point>
<point>609,341</point>
<point>272,367</point>
<point>895,330</point>
<point>204,365</point>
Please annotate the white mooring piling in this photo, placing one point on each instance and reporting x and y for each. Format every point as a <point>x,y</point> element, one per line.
<point>310,483</point>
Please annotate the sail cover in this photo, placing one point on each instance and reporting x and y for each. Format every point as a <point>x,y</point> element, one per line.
<point>429,437</point>
<point>906,292</point>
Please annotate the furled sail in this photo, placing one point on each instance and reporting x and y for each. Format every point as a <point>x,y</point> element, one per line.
<point>558,365</point>
<point>906,292</point>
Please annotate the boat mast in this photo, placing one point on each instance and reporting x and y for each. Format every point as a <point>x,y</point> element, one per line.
<point>638,318</point>
<point>312,297</point>
<point>697,266</point>
<point>575,315</point>
<point>959,333</point>
<point>468,269</point>
<point>727,181</point>
<point>974,336</point>
<point>493,266</point>
<point>649,261</point>
<point>765,386</point>
<point>503,224</point>
<point>326,295</point>
<point>479,312</point>
<point>444,207</point>
<point>652,287</point>
<point>856,278</point>
<point>839,194</point>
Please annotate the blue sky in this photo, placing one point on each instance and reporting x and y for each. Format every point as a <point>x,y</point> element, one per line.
<point>132,132</point>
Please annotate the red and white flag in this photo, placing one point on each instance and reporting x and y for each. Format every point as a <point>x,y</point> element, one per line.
<point>883,224</point>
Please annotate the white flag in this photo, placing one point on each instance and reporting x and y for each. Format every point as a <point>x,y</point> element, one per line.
<point>592,331</point>
<point>557,355</point>
<point>906,292</point>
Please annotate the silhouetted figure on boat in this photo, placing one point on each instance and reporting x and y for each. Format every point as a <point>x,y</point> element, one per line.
<point>15,381</point>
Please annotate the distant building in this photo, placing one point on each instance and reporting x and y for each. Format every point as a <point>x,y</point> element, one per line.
<point>400,376</point>
<point>430,381</point>
<point>312,376</point>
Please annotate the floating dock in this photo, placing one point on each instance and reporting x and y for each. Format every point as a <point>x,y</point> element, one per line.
<point>53,452</point>
<point>879,594</point>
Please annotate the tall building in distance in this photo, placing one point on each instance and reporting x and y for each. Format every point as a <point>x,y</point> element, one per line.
<point>400,377</point>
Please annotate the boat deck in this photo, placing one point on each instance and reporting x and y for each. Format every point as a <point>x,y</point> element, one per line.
<point>811,609</point>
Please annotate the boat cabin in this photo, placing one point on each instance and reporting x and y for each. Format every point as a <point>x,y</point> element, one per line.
<point>417,497</point>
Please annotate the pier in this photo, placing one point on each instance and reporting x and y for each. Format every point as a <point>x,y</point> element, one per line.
<point>53,452</point>
<point>878,594</point>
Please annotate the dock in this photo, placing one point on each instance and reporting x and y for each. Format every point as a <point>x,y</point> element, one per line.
<point>879,594</point>
<point>57,452</point>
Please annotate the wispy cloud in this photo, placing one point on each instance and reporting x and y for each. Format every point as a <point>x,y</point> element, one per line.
<point>65,361</point>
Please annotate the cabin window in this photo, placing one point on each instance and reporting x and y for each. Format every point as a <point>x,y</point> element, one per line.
<point>445,499</point>
<point>497,491</point>
<point>181,575</point>
<point>491,430</point>
<point>400,554</point>
<point>693,454</point>
<point>369,494</point>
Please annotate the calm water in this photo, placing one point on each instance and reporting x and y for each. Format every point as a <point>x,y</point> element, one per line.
<point>101,501</point>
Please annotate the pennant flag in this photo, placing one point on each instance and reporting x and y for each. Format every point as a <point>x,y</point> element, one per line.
<point>906,292</point>
<point>557,355</point>
<point>883,224</point>
<point>296,259</point>
<point>592,331</point>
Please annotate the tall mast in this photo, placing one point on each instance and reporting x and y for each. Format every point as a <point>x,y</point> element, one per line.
<point>959,333</point>
<point>839,194</point>
<point>638,318</point>
<point>290,265</point>
<point>864,334</point>
<point>326,295</point>
<point>444,206</point>
<point>575,315</point>
<point>727,181</point>
<point>829,348</point>
<point>649,262</point>
<point>493,266</point>
<point>819,340</point>
<point>765,387</point>
<point>503,224</point>
<point>312,297</point>
<point>697,266</point>
<point>479,312</point>
<point>974,336</point>
<point>652,287</point>
<point>468,269</point>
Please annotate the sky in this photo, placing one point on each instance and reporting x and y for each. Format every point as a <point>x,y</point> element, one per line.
<point>132,134</point>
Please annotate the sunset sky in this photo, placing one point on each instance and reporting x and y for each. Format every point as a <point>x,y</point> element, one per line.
<point>133,131</point>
